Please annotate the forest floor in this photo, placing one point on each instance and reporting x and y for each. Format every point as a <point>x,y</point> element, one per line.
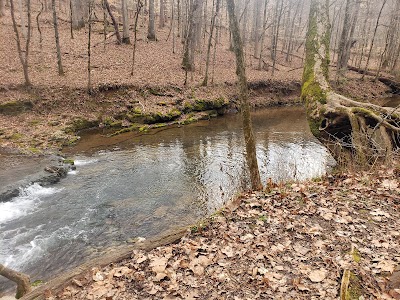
<point>290,241</point>
<point>48,115</point>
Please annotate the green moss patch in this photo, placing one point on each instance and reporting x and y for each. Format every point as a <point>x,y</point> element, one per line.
<point>15,107</point>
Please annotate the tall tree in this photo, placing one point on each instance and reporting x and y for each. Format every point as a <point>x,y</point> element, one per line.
<point>251,156</point>
<point>125,23</point>
<point>23,55</point>
<point>151,34</point>
<point>57,38</point>
<point>340,122</point>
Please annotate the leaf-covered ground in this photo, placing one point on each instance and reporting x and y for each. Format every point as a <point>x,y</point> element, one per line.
<point>291,241</point>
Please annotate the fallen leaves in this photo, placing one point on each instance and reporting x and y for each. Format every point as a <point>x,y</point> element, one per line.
<point>299,252</point>
<point>317,275</point>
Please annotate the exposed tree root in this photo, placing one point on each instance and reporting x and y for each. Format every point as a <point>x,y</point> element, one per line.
<point>364,129</point>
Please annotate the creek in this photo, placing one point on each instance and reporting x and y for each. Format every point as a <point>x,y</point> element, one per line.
<point>139,186</point>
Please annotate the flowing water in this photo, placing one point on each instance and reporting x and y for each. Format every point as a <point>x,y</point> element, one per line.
<point>130,186</point>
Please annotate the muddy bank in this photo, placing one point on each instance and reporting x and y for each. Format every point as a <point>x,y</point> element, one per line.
<point>44,119</point>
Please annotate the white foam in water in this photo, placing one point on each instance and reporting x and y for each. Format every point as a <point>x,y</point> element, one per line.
<point>84,162</point>
<point>25,203</point>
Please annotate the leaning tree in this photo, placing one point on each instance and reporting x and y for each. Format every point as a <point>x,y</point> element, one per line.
<point>362,129</point>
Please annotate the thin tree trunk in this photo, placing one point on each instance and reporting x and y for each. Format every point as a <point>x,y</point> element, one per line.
<point>373,37</point>
<point>23,58</point>
<point>290,43</point>
<point>55,24</point>
<point>139,6</point>
<point>364,35</point>
<point>22,280</point>
<point>251,156</point>
<point>105,23</point>
<point>162,14</point>
<point>275,45</point>
<point>115,24</point>
<point>257,26</point>
<point>38,25</point>
<point>89,66</point>
<point>263,34</point>
<point>125,25</point>
<point>215,50</point>
<point>151,35</point>
<point>188,55</point>
<point>71,28</point>
<point>173,26</point>
<point>382,57</point>
<point>346,39</point>
<point>205,81</point>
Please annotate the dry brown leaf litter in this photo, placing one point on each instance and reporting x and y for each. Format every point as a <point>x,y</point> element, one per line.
<point>290,242</point>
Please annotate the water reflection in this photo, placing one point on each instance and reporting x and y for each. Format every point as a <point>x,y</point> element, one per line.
<point>129,186</point>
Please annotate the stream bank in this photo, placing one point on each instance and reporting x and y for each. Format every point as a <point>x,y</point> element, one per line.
<point>44,120</point>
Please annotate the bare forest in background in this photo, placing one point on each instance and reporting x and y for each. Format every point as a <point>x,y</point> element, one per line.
<point>89,43</point>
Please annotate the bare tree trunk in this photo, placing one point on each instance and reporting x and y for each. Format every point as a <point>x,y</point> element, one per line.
<point>139,6</point>
<point>71,28</point>
<point>179,18</point>
<point>23,58</point>
<point>105,23</point>
<point>2,4</point>
<point>290,42</point>
<point>115,24</point>
<point>263,34</point>
<point>257,28</point>
<point>251,156</point>
<point>364,34</point>
<point>205,81</point>
<point>125,24</point>
<point>151,35</point>
<point>215,49</point>
<point>55,24</point>
<point>173,25</point>
<point>22,17</point>
<point>276,34</point>
<point>346,39</point>
<point>190,40</point>
<point>22,280</point>
<point>38,25</point>
<point>89,66</point>
<point>78,8</point>
<point>162,14</point>
<point>373,37</point>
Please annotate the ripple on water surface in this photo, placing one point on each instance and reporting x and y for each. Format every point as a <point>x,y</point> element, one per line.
<point>148,184</point>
